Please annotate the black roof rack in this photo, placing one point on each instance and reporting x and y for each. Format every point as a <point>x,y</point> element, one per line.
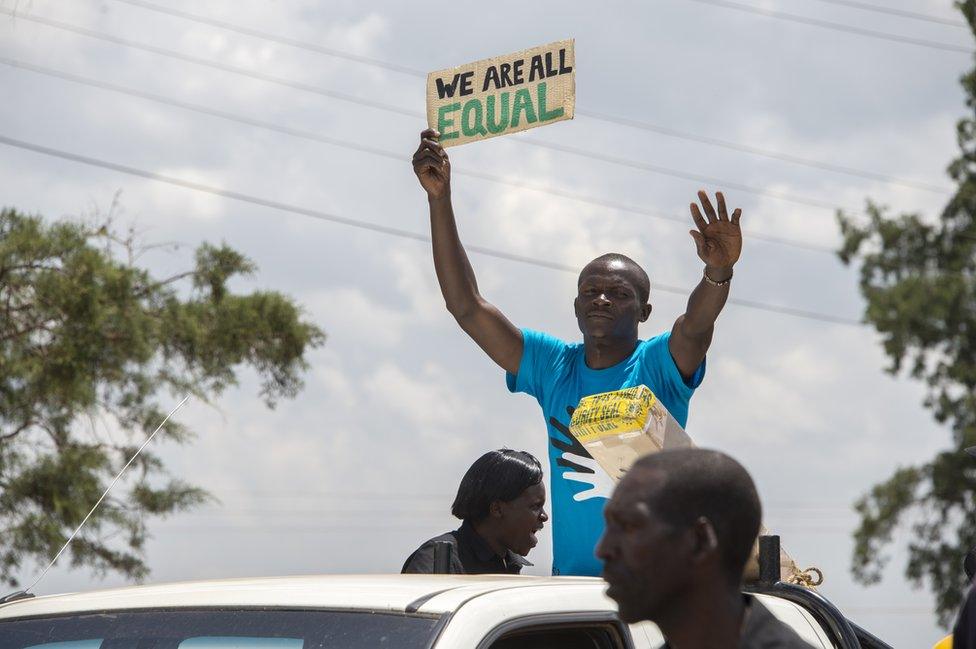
<point>13,597</point>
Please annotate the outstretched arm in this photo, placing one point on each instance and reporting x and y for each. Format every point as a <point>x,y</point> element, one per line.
<point>493,332</point>
<point>719,243</point>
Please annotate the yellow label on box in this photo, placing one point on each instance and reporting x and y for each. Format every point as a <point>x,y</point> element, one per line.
<point>611,413</point>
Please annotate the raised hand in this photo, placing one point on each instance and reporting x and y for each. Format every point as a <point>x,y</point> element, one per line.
<point>432,166</point>
<point>718,238</point>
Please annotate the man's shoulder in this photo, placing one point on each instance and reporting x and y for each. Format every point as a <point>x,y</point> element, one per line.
<point>547,345</point>
<point>654,349</point>
<point>654,341</point>
<point>763,630</point>
<point>537,337</point>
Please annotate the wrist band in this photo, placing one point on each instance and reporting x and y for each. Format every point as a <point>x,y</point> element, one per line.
<point>711,281</point>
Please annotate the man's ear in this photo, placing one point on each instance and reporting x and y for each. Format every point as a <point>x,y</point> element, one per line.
<point>646,312</point>
<point>495,509</point>
<point>576,308</point>
<point>704,540</point>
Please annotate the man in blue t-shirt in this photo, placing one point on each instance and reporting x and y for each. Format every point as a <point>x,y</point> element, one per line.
<point>611,301</point>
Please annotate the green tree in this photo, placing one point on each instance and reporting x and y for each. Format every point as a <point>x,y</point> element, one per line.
<point>919,281</point>
<point>91,343</point>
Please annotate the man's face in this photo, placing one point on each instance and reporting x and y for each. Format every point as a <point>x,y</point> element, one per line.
<point>608,304</point>
<point>522,518</point>
<point>645,559</point>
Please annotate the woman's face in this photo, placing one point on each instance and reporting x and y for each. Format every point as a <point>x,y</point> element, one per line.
<point>521,518</point>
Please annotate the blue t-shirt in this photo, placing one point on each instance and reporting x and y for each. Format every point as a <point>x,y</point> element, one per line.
<point>555,373</point>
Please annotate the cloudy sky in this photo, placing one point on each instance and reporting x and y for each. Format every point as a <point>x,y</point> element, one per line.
<point>792,120</point>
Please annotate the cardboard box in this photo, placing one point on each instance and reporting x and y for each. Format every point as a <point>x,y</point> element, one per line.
<point>618,427</point>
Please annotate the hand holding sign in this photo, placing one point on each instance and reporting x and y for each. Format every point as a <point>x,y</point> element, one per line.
<point>718,238</point>
<point>432,166</point>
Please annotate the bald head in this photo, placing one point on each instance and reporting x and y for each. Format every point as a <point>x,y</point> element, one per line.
<point>614,262</point>
<point>682,485</point>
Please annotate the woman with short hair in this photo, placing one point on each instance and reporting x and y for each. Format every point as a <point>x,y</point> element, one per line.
<point>501,503</point>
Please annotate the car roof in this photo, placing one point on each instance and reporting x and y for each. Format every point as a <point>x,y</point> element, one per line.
<point>494,596</point>
<point>435,594</point>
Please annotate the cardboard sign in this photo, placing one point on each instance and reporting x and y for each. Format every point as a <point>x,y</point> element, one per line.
<point>502,95</point>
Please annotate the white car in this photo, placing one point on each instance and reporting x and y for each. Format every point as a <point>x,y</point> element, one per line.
<point>354,612</point>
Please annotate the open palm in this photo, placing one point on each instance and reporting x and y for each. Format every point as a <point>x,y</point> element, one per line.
<point>718,237</point>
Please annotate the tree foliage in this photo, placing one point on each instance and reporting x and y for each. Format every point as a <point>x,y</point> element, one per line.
<point>94,351</point>
<point>918,278</point>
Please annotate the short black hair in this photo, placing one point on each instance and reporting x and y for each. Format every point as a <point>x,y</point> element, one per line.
<point>641,281</point>
<point>969,563</point>
<point>497,475</point>
<point>700,482</point>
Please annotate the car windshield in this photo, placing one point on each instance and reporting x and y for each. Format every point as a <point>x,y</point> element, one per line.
<point>219,629</point>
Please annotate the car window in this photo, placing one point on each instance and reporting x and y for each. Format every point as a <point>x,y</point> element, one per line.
<point>601,636</point>
<point>220,629</point>
<point>224,642</point>
<point>70,644</point>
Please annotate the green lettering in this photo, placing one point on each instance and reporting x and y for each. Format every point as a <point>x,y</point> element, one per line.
<point>499,125</point>
<point>473,106</point>
<point>544,115</point>
<point>443,123</point>
<point>523,103</point>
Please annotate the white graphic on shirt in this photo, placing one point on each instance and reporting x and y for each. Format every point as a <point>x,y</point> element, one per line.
<point>582,467</point>
<point>600,482</point>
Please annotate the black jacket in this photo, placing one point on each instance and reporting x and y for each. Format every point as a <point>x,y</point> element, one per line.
<point>471,555</point>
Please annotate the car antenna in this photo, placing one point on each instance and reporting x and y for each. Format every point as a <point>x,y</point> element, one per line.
<point>26,593</point>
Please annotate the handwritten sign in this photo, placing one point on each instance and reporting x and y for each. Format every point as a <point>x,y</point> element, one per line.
<point>502,95</point>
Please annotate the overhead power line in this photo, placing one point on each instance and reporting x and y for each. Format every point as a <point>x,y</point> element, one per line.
<point>891,11</point>
<point>283,40</point>
<point>382,229</point>
<point>633,164</point>
<point>773,155</point>
<point>392,155</point>
<point>602,117</point>
<point>216,65</point>
<point>850,29</point>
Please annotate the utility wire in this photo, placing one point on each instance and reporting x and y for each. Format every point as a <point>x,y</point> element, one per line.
<point>383,229</point>
<point>602,117</point>
<point>356,146</point>
<point>781,15</point>
<point>883,10</point>
<point>283,40</point>
<point>666,171</point>
<point>223,67</point>
<point>105,493</point>
<point>767,153</point>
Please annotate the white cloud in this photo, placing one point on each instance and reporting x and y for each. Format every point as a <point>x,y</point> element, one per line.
<point>426,402</point>
<point>359,36</point>
<point>353,318</point>
<point>412,273</point>
<point>187,204</point>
